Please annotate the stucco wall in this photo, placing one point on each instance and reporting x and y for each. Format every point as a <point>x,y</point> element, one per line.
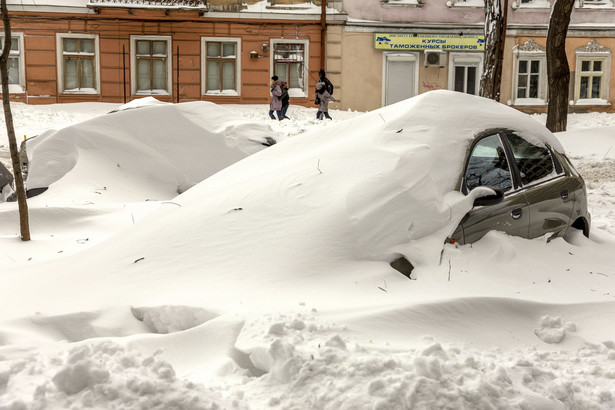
<point>361,76</point>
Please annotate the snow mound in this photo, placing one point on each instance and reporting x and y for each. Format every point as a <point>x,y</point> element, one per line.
<point>163,148</point>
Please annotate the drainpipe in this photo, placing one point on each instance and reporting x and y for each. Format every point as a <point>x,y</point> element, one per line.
<point>323,31</point>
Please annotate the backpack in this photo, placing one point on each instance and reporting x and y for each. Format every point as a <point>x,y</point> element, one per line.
<point>328,86</point>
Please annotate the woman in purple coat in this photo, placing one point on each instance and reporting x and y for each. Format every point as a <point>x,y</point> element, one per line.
<point>276,102</point>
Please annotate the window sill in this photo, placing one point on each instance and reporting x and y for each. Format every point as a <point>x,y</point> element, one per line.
<point>465,4</point>
<point>81,91</point>
<point>223,93</point>
<point>390,4</point>
<point>602,6</point>
<point>16,89</point>
<point>296,93</point>
<point>539,6</point>
<point>528,101</point>
<point>591,101</point>
<point>152,92</point>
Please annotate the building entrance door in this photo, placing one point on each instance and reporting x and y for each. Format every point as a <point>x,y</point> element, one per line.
<point>400,77</point>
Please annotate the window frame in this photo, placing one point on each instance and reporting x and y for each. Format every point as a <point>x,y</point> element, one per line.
<point>237,59</point>
<point>293,92</point>
<point>466,60</point>
<point>504,143</point>
<point>61,68</point>
<point>592,52</point>
<point>530,51</point>
<point>19,88</point>
<point>169,66</point>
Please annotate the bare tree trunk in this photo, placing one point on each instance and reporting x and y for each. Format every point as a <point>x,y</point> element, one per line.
<point>495,34</point>
<point>558,70</point>
<point>8,117</point>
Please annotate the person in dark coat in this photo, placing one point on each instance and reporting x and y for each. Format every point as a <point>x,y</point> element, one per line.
<point>323,79</point>
<point>285,98</point>
<point>276,103</point>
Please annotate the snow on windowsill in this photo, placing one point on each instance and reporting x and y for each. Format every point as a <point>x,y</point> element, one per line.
<point>591,101</point>
<point>81,91</point>
<point>223,93</point>
<point>594,5</point>
<point>296,93</point>
<point>529,101</point>
<point>152,92</point>
<point>16,89</point>
<point>401,3</point>
<point>466,4</point>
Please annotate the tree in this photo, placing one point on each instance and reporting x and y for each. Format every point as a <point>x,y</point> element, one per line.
<point>558,70</point>
<point>495,34</point>
<point>8,117</point>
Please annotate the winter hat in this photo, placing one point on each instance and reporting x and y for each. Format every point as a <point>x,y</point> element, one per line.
<point>319,85</point>
<point>274,78</point>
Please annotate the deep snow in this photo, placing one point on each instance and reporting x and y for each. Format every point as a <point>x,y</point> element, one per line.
<point>142,320</point>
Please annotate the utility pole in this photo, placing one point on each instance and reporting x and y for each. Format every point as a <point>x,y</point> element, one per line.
<point>323,31</point>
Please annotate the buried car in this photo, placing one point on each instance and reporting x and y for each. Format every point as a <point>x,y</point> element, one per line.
<point>176,145</point>
<point>390,185</point>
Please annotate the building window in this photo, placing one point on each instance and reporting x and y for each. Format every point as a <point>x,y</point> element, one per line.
<point>15,63</point>
<point>221,70</point>
<point>465,71</point>
<point>592,74</point>
<point>290,64</point>
<point>151,65</point>
<point>78,63</point>
<point>591,78</point>
<point>530,77</point>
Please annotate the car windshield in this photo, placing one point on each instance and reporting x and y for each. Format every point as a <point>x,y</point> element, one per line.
<point>488,165</point>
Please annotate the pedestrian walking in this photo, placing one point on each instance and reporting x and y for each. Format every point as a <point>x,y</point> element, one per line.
<point>323,97</point>
<point>276,103</point>
<point>285,98</point>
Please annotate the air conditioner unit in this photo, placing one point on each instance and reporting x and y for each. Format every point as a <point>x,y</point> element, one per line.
<point>434,58</point>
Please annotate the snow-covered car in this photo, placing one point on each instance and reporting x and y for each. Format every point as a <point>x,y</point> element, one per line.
<point>397,183</point>
<point>178,145</point>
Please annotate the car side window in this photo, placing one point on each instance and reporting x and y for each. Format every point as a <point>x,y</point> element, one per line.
<point>488,165</point>
<point>534,162</point>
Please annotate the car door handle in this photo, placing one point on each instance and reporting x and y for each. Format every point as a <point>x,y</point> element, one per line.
<point>564,194</point>
<point>516,213</point>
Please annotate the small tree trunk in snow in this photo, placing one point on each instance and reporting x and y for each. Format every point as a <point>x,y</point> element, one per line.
<point>558,70</point>
<point>495,34</point>
<point>8,117</point>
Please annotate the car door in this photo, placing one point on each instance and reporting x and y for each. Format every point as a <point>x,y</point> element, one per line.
<point>488,165</point>
<point>550,194</point>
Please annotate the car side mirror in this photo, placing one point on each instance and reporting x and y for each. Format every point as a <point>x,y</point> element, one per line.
<point>489,200</point>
